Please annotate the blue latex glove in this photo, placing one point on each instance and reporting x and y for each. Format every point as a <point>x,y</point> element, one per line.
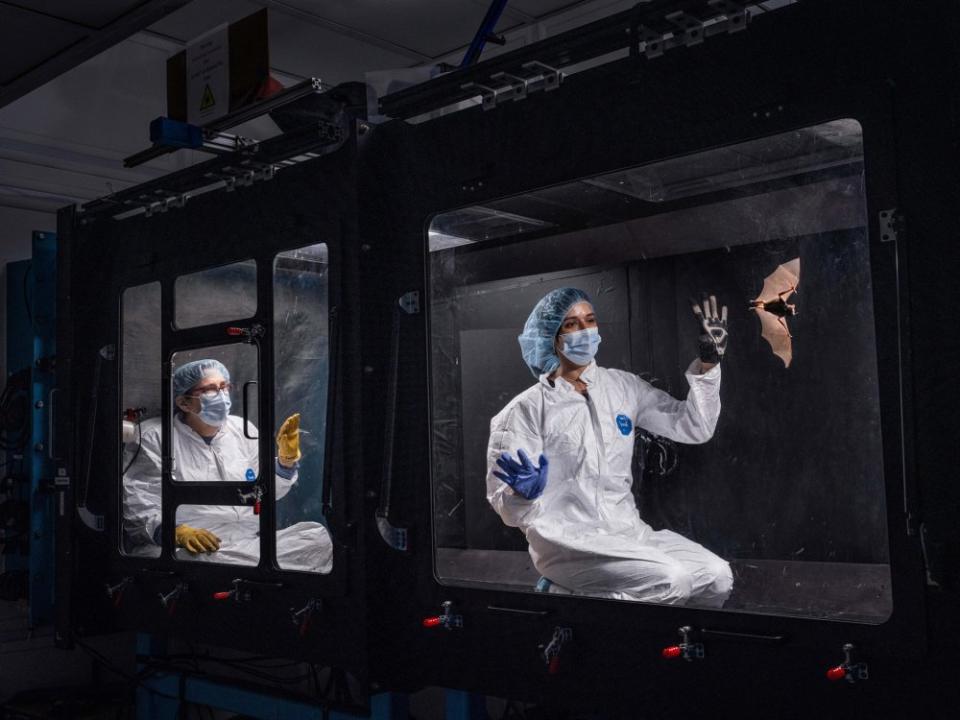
<point>524,477</point>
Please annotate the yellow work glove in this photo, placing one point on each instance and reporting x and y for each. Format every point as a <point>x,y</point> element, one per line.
<point>288,441</point>
<point>196,540</point>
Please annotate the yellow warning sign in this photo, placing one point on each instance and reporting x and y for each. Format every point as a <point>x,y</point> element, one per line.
<point>207,101</point>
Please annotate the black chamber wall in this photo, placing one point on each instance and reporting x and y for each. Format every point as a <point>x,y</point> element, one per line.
<point>794,469</point>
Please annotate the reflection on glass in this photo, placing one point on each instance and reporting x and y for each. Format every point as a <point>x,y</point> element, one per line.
<point>140,400</point>
<point>640,445</point>
<point>302,356</point>
<point>220,294</point>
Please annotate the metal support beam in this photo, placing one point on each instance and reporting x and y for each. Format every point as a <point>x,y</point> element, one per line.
<point>120,29</point>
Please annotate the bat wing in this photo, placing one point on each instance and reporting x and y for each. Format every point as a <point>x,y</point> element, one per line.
<point>775,333</point>
<point>786,276</point>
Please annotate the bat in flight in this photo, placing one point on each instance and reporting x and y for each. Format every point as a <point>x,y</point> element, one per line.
<point>773,309</point>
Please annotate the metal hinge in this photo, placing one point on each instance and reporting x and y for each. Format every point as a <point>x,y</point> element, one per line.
<point>891,223</point>
<point>410,302</point>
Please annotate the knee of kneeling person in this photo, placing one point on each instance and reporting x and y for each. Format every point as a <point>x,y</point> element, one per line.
<point>680,584</point>
<point>723,577</point>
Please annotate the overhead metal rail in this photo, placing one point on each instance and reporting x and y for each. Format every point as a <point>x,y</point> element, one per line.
<point>212,130</point>
<point>649,29</point>
<point>260,161</point>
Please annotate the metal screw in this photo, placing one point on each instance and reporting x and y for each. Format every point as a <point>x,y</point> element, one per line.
<point>38,404</point>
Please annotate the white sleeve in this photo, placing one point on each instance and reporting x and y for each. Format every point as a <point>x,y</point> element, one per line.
<point>692,420</point>
<point>516,427</point>
<point>286,478</point>
<point>142,492</point>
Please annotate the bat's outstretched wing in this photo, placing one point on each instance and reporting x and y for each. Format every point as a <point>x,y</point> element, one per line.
<point>774,331</point>
<point>785,277</point>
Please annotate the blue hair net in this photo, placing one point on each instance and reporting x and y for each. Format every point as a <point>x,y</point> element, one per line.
<point>536,342</point>
<point>189,374</point>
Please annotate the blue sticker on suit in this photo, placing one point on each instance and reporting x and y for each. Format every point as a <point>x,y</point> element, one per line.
<point>251,475</point>
<point>625,425</point>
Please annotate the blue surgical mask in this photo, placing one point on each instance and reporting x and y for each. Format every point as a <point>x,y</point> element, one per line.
<point>214,411</point>
<point>581,346</point>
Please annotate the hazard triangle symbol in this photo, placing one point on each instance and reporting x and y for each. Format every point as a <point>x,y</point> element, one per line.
<point>207,101</point>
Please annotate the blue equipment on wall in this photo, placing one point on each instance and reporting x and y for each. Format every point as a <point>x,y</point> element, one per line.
<point>26,496</point>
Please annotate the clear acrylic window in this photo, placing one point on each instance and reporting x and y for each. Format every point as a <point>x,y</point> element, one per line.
<point>219,294</point>
<point>141,489</point>
<point>764,492</point>
<point>301,370</point>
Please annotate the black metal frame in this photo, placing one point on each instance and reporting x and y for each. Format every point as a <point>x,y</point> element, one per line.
<point>601,121</point>
<point>311,202</point>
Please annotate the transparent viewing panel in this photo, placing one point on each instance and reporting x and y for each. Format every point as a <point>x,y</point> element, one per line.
<point>301,370</point>
<point>653,475</point>
<point>220,294</point>
<point>140,404</point>
<point>225,534</point>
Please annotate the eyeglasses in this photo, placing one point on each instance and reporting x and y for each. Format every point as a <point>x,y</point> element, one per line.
<point>209,391</point>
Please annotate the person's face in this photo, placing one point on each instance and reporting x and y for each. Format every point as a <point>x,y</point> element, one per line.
<point>212,383</point>
<point>580,317</point>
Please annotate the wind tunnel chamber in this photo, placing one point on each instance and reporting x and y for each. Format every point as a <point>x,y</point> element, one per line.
<point>790,488</point>
<point>238,297</point>
<point>773,187</point>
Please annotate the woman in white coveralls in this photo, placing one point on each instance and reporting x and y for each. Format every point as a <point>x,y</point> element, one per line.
<point>209,445</point>
<point>574,504</point>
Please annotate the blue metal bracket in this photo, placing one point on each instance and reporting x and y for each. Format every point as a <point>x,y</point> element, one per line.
<point>175,134</point>
<point>485,33</point>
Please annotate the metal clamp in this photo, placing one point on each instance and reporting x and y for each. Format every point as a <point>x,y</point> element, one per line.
<point>115,592</point>
<point>551,653</point>
<point>848,670</point>
<point>238,593</point>
<point>156,206</point>
<point>488,95</point>
<point>517,86</point>
<point>687,650</point>
<point>446,619</point>
<point>689,29</point>
<point>735,12</point>
<point>301,618</point>
<point>169,600</point>
<point>551,77</point>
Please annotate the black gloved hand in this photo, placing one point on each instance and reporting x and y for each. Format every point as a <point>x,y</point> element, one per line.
<point>713,329</point>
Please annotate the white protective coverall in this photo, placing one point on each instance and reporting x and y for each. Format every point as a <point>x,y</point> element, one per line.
<point>584,531</point>
<point>305,546</point>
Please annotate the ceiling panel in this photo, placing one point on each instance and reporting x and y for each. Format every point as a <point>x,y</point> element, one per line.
<point>429,28</point>
<point>92,13</point>
<point>312,51</point>
<point>539,8</point>
<point>199,16</point>
<point>28,39</point>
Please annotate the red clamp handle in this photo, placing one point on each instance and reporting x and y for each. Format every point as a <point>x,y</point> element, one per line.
<point>432,622</point>
<point>236,331</point>
<point>223,595</point>
<point>837,673</point>
<point>672,652</point>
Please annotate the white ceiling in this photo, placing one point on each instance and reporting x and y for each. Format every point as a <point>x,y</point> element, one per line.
<point>65,141</point>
